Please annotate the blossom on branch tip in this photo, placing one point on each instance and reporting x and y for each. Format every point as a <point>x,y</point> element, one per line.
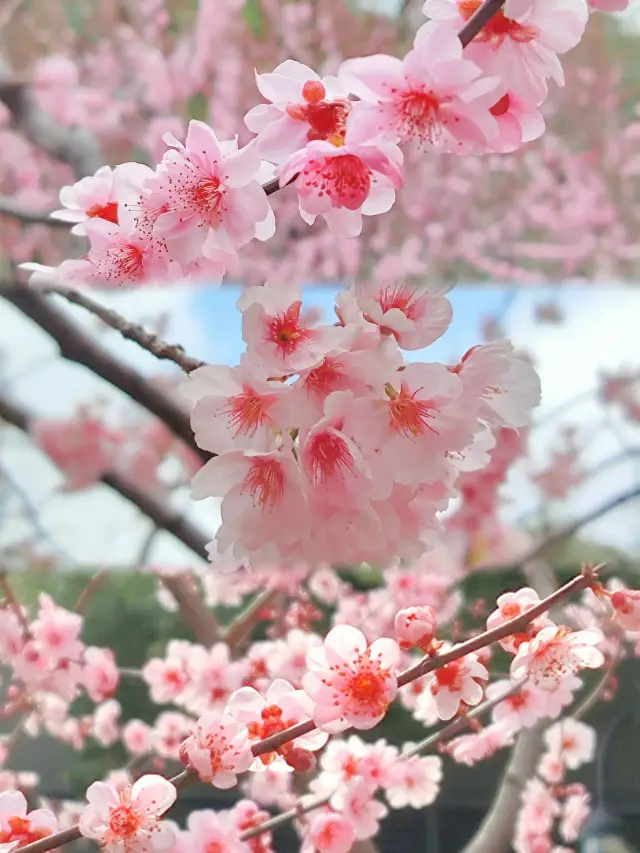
<point>350,682</point>
<point>457,684</point>
<point>128,821</point>
<point>521,42</point>
<point>282,707</point>
<point>555,654</point>
<point>511,605</point>
<point>218,749</point>
<point>416,626</point>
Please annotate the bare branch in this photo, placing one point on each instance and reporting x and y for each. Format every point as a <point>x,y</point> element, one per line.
<point>131,331</point>
<point>238,629</point>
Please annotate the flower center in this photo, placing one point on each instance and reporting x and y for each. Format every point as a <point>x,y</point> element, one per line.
<point>124,822</point>
<point>285,330</point>
<point>511,610</point>
<point>107,211</point>
<point>20,830</point>
<point>499,27</point>
<point>401,297</point>
<point>326,377</point>
<point>326,119</point>
<point>410,417</point>
<point>450,675</point>
<point>127,262</point>
<point>208,198</point>
<point>518,700</point>
<point>346,180</point>
<point>417,115</point>
<point>329,456</point>
<point>265,482</point>
<point>245,412</point>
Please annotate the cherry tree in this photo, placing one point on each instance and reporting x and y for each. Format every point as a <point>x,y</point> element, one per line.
<point>330,445</point>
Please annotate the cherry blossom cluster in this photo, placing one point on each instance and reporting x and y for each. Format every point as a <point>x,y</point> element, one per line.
<point>330,447</point>
<point>85,447</point>
<point>336,139</point>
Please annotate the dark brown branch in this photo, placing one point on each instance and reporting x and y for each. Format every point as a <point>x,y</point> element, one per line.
<point>131,331</point>
<point>76,345</point>
<point>478,20</point>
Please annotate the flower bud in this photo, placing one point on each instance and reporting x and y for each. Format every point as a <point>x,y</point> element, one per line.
<point>626,603</point>
<point>416,626</point>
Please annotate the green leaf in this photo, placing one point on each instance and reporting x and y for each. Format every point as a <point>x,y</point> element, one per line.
<point>254,17</point>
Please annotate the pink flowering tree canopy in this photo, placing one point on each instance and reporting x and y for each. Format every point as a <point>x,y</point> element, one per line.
<point>356,472</point>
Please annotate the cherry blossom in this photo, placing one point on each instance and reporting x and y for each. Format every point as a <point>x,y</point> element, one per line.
<point>93,197</point>
<point>351,683</point>
<point>575,811</point>
<point>416,626</point>
<point>129,820</point>
<point>572,742</point>
<point>413,781</point>
<point>218,749</point>
<point>511,605</point>
<point>521,42</point>
<point>342,183</point>
<point>331,833</point>
<point>211,196</point>
<point>210,831</point>
<point>555,653</point>
<point>433,95</point>
<point>457,683</point>
<point>100,674</point>
<point>521,709</point>
<point>626,604</point>
<point>469,749</point>
<point>18,826</point>
<point>303,107</point>
<point>357,803</point>
<point>282,707</point>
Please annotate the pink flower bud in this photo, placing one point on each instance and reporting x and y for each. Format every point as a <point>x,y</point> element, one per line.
<point>626,603</point>
<point>415,626</point>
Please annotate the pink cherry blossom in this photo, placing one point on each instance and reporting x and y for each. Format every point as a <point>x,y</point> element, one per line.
<point>521,709</point>
<point>232,408</point>
<point>18,826</point>
<point>212,678</point>
<point>282,707</point>
<point>168,733</point>
<point>213,832</point>
<point>263,503</point>
<point>626,604</point>
<point>469,749</point>
<point>341,761</point>
<point>100,674</point>
<point>511,605</point>
<point>416,626</point>
<point>57,631</point>
<point>414,781</point>
<point>211,196</point>
<point>104,725</point>
<point>518,122</point>
<point>509,386</point>
<point>218,749</point>
<point>575,811</point>
<point>356,801</point>
<point>129,820</point>
<point>343,183</point>
<point>331,833</point>
<point>572,741</point>
<point>433,95</point>
<point>303,107</point>
<point>277,334</point>
<point>351,683</point>
<point>136,736</point>
<point>82,447</point>
<point>521,42</point>
<point>555,653</point>
<point>167,677</point>
<point>93,197</point>
<point>415,315</point>
<point>551,768</point>
<point>456,683</point>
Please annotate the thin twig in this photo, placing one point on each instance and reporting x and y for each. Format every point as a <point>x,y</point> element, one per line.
<point>299,809</point>
<point>8,207</point>
<point>131,331</point>
<point>245,621</point>
<point>13,601</point>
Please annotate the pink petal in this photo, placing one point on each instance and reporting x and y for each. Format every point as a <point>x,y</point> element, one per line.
<point>153,794</point>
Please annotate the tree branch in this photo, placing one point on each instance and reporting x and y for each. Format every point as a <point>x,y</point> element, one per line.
<point>77,346</point>
<point>131,331</point>
<point>8,207</point>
